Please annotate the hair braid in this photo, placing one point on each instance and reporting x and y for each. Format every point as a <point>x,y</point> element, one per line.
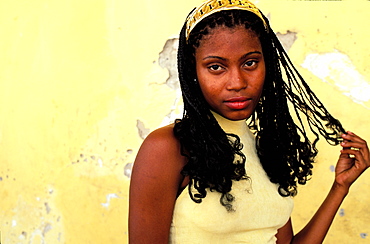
<point>286,154</point>
<point>214,158</point>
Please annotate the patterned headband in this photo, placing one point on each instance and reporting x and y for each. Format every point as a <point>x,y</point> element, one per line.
<point>212,6</point>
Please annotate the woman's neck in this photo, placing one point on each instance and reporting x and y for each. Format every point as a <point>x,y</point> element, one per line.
<point>231,126</point>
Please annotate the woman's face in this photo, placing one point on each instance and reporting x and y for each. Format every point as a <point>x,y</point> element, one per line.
<point>231,71</point>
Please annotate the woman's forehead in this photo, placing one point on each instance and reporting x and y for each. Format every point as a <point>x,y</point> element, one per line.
<point>229,31</point>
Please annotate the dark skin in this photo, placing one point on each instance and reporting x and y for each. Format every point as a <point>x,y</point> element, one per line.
<point>158,181</point>
<point>156,176</point>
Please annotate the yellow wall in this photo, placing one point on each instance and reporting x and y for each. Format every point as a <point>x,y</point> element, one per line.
<point>82,83</point>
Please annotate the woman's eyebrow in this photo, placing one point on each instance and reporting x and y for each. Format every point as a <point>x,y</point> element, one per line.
<point>224,59</point>
<point>216,57</point>
<point>250,53</point>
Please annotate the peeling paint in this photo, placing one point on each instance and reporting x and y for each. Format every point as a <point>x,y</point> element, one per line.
<point>338,70</point>
<point>128,169</point>
<point>176,110</point>
<point>287,39</point>
<point>109,197</point>
<point>143,131</point>
<point>168,60</point>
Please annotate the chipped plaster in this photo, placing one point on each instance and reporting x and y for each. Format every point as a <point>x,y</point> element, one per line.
<point>338,70</point>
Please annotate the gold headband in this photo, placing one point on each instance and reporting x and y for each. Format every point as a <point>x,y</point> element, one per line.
<point>212,6</point>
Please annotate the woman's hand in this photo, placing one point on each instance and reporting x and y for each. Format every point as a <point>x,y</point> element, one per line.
<point>354,159</point>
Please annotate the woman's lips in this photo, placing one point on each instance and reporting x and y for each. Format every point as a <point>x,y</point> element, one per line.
<point>238,103</point>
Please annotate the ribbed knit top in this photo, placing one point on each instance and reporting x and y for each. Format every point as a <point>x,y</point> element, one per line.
<point>259,210</point>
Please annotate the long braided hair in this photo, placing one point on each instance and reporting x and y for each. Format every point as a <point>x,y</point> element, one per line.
<point>214,157</point>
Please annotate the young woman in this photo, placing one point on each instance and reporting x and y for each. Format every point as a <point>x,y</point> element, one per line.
<point>211,177</point>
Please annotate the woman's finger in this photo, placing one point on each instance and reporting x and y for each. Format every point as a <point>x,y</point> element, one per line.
<point>350,136</point>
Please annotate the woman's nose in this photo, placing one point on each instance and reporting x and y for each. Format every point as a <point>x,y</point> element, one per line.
<point>236,80</point>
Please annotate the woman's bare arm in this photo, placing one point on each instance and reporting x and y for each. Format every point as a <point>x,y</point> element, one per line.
<point>154,185</point>
<point>348,169</point>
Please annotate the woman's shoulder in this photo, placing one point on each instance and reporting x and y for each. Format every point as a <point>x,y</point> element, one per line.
<point>155,182</point>
<point>162,138</point>
<point>162,147</point>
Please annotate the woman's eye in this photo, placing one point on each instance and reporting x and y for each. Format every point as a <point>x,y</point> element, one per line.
<point>214,67</point>
<point>250,63</point>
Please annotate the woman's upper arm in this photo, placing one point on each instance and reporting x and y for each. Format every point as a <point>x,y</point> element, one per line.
<point>285,233</point>
<point>154,185</point>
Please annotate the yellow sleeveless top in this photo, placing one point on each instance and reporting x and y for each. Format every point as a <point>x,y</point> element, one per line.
<point>259,209</point>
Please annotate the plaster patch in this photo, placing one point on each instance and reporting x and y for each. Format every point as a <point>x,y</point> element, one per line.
<point>168,60</point>
<point>176,110</point>
<point>128,169</point>
<point>109,197</point>
<point>143,131</point>
<point>338,70</point>
<point>287,39</point>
